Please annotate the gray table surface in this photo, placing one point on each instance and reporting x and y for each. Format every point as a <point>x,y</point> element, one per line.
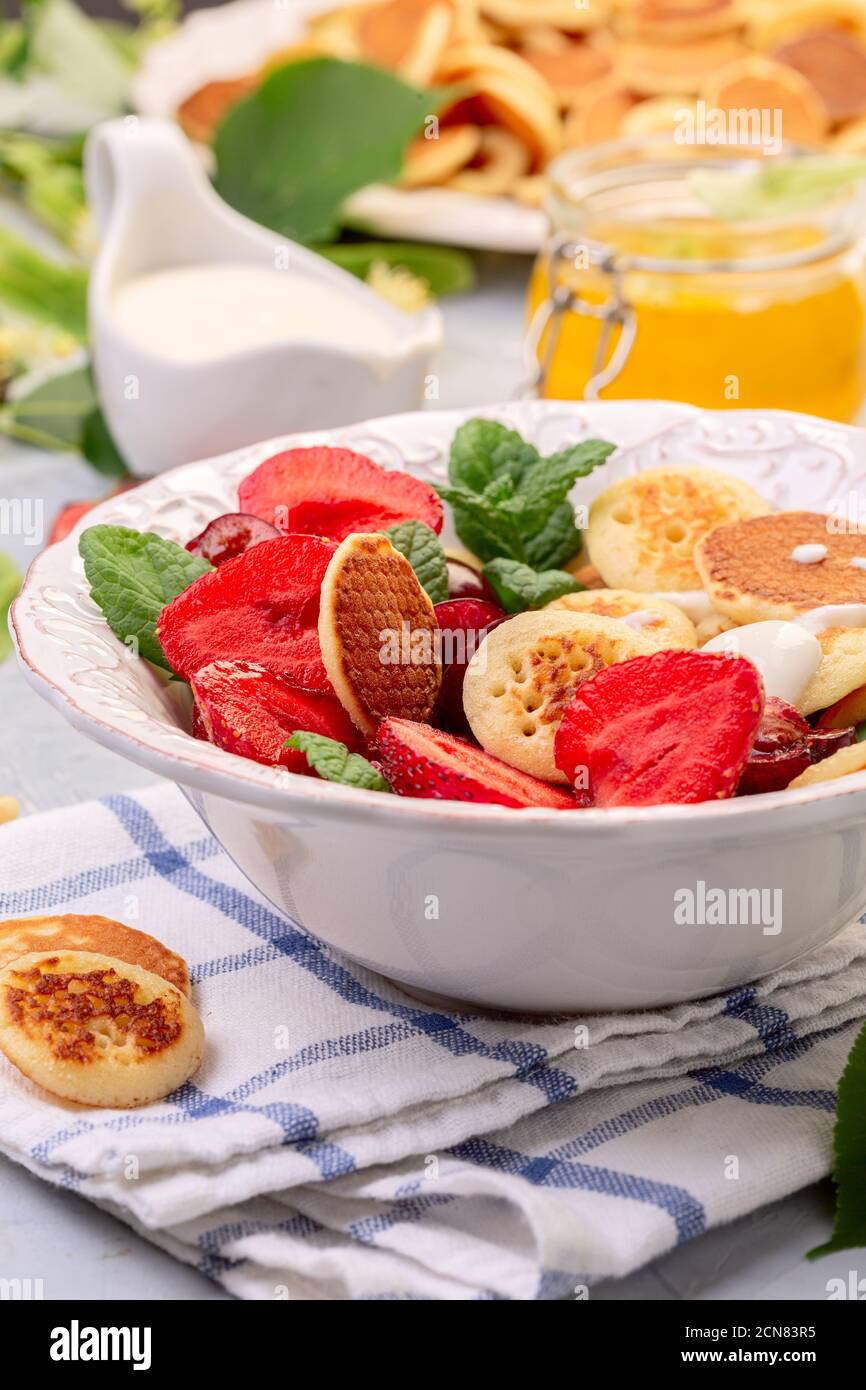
<point>80,1252</point>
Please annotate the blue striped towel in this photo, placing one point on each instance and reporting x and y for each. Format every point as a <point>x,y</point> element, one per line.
<point>342,1141</point>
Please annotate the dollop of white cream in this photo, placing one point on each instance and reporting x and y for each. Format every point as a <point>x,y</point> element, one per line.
<point>694,603</point>
<point>786,655</point>
<point>859,562</point>
<point>641,619</point>
<point>809,554</point>
<point>818,620</point>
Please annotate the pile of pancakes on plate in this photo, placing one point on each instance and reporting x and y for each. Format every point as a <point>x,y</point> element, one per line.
<point>534,77</point>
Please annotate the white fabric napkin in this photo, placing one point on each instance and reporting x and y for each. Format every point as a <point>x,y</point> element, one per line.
<point>343,1141</point>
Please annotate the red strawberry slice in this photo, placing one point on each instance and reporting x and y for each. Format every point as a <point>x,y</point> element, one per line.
<point>197,727</point>
<point>261,607</point>
<point>248,710</point>
<point>230,535</point>
<point>333,492</point>
<point>425,762</point>
<point>464,622</point>
<point>677,726</point>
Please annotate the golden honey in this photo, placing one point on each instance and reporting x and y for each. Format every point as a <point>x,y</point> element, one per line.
<point>726,315</point>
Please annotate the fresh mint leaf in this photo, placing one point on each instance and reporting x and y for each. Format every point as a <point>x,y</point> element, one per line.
<point>558,541</point>
<point>849,1156</point>
<point>10,583</point>
<point>860,733</point>
<point>421,547</point>
<point>483,450</point>
<point>481,525</point>
<point>547,483</point>
<point>314,132</point>
<point>333,761</point>
<point>63,413</point>
<point>132,576</point>
<point>99,448</point>
<point>518,587</point>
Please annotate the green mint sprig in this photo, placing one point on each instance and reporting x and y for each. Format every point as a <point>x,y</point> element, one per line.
<point>333,761</point>
<point>518,586</point>
<point>420,545</point>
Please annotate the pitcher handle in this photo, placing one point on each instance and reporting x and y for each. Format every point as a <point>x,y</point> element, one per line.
<point>132,158</point>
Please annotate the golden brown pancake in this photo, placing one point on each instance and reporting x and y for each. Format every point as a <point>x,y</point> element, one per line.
<point>95,1030</point>
<point>841,764</point>
<point>747,569</point>
<point>662,624</point>
<point>643,530</point>
<point>679,19</point>
<point>378,633</point>
<point>77,932</point>
<point>429,162</point>
<point>835,63</point>
<point>759,84</point>
<point>570,70</point>
<point>666,69</point>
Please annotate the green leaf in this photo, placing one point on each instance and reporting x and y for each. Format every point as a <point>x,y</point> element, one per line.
<point>849,1156</point>
<point>860,733</point>
<point>421,547</point>
<point>99,448</point>
<point>132,576</point>
<point>10,583</point>
<point>481,525</point>
<point>518,587</point>
<point>334,762</point>
<point>54,413</point>
<point>776,189</point>
<point>444,269</point>
<point>546,484</point>
<point>558,541</point>
<point>483,450</point>
<point>314,132</point>
<point>40,288</point>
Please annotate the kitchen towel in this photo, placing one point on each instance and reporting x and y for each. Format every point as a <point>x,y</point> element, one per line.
<point>343,1141</point>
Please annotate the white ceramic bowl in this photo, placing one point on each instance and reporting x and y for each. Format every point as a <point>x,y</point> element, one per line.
<point>534,911</point>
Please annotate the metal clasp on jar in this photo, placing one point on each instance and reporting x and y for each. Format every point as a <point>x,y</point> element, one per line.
<point>614,312</point>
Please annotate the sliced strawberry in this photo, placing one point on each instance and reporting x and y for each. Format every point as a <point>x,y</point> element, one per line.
<point>197,727</point>
<point>334,492</point>
<point>230,535</point>
<point>677,726</point>
<point>261,607</point>
<point>420,761</point>
<point>464,623</point>
<point>248,710</point>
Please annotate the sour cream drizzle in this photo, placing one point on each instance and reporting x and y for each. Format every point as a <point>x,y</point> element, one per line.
<point>809,554</point>
<point>786,654</point>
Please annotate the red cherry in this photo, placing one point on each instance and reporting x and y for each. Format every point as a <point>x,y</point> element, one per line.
<point>466,582</point>
<point>465,623</point>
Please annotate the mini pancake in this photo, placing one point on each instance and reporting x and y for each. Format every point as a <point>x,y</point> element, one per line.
<point>436,161</point>
<point>378,634</point>
<point>9,809</point>
<point>842,668</point>
<point>569,70</point>
<point>666,69</point>
<point>598,116</point>
<point>402,34</point>
<point>748,571</point>
<point>19,936</point>
<point>524,674</point>
<point>851,140</point>
<point>201,112</point>
<point>523,110</point>
<point>835,64</point>
<point>95,1030</point>
<point>502,159</point>
<point>561,14</point>
<point>841,764</point>
<point>643,530</point>
<point>663,625</point>
<point>673,20</point>
<point>713,626</point>
<point>759,84</point>
<point>769,25</point>
<point>656,116</point>
<point>463,60</point>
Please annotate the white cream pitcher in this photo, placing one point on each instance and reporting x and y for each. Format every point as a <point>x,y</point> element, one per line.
<point>209,332</point>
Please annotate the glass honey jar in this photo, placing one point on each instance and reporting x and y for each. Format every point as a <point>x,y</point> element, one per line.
<point>642,291</point>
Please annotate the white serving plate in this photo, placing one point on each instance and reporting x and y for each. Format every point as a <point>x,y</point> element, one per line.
<point>237,38</point>
<point>538,910</point>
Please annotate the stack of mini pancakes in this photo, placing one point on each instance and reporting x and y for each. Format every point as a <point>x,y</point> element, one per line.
<point>95,1012</point>
<point>531,78</point>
